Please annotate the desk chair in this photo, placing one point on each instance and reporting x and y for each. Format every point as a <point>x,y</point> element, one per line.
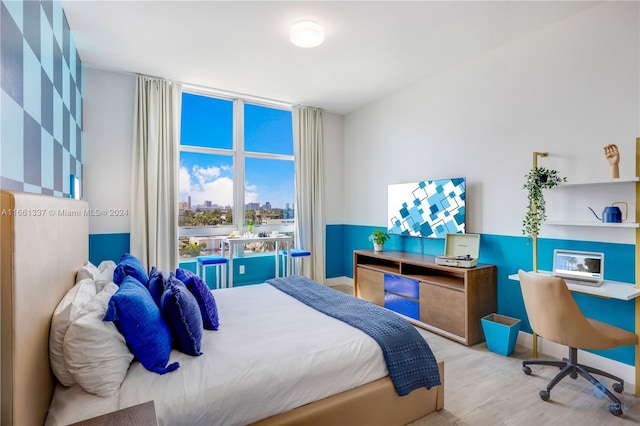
<point>554,315</point>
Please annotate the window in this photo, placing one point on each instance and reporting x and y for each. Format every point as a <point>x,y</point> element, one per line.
<point>236,170</point>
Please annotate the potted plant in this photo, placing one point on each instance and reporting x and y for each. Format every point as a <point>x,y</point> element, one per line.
<point>379,237</point>
<point>538,178</point>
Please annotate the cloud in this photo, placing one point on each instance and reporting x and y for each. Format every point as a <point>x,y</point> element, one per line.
<point>184,181</point>
<point>206,184</point>
<point>251,193</point>
<point>219,191</point>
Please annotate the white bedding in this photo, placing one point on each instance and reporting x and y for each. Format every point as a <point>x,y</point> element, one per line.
<point>270,355</point>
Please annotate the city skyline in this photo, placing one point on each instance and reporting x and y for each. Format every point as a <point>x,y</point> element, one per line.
<point>208,204</point>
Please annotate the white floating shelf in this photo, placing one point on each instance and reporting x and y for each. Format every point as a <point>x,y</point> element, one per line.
<point>592,224</point>
<point>600,182</point>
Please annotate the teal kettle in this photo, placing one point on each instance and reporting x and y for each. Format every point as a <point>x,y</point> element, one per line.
<point>612,214</point>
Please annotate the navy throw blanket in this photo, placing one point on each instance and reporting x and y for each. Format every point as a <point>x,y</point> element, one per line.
<point>410,362</point>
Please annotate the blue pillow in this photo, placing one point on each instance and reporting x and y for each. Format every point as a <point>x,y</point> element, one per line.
<point>203,295</point>
<point>139,320</point>
<point>181,311</point>
<point>130,265</point>
<point>157,281</point>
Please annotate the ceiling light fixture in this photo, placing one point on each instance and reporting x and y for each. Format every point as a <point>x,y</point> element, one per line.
<point>306,34</point>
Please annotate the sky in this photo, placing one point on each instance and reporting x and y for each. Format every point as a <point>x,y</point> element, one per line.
<point>209,122</point>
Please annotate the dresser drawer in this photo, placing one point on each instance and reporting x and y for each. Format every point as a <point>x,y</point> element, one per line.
<point>402,305</point>
<point>402,286</point>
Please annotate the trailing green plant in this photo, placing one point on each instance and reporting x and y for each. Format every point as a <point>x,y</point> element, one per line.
<point>538,178</point>
<point>379,237</point>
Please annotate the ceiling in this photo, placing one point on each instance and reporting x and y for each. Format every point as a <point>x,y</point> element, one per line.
<point>371,48</point>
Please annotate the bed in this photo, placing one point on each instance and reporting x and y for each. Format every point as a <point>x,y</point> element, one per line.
<point>45,242</point>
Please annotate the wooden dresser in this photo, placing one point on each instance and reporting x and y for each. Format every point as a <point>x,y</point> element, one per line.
<point>446,300</point>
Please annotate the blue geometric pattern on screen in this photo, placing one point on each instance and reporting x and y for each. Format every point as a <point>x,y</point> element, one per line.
<point>431,208</point>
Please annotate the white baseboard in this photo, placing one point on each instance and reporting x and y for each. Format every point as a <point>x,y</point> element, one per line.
<point>339,280</point>
<point>545,347</point>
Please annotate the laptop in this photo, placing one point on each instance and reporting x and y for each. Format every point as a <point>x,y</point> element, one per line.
<point>579,267</point>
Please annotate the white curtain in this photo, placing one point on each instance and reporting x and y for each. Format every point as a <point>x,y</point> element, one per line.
<point>154,196</point>
<point>309,209</point>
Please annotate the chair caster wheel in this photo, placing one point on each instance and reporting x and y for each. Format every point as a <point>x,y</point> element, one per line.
<point>615,409</point>
<point>526,370</point>
<point>618,387</point>
<point>573,375</point>
<point>544,395</point>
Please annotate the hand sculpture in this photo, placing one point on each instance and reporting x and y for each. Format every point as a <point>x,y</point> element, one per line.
<point>612,156</point>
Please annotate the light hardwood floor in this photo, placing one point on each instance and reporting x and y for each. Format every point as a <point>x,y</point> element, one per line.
<point>485,388</point>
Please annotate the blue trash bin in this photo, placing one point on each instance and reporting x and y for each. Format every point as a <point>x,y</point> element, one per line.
<point>501,333</point>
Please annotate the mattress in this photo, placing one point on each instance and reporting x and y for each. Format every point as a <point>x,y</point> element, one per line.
<point>270,355</point>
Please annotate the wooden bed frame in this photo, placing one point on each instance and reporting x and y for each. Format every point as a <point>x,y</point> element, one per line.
<point>44,241</point>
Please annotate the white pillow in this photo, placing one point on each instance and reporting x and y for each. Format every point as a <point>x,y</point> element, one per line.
<point>106,269</point>
<point>67,311</point>
<point>95,352</point>
<point>101,274</point>
<point>87,271</point>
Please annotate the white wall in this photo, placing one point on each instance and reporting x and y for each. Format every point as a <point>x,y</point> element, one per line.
<point>108,141</point>
<point>108,134</point>
<point>569,89</point>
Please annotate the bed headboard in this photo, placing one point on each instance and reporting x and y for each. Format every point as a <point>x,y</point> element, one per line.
<point>44,241</point>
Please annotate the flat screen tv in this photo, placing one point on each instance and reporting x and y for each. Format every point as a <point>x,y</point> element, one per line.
<point>429,208</point>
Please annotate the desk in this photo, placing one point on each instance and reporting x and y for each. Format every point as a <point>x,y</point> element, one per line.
<point>288,239</point>
<point>608,289</point>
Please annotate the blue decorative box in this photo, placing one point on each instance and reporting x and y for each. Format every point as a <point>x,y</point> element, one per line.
<point>402,305</point>
<point>401,295</point>
<point>402,286</point>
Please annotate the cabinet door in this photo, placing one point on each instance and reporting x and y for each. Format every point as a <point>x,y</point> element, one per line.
<point>443,307</point>
<point>370,285</point>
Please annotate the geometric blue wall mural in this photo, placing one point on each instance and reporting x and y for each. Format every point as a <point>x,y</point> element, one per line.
<point>430,208</point>
<point>40,99</point>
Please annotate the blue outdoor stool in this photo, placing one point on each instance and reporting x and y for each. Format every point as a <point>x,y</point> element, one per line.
<point>296,255</point>
<point>219,262</point>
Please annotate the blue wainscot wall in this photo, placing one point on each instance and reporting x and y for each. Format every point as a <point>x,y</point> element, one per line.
<point>258,268</point>
<point>108,247</point>
<point>509,254</point>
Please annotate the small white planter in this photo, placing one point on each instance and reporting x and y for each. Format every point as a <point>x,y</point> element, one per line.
<point>377,247</point>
